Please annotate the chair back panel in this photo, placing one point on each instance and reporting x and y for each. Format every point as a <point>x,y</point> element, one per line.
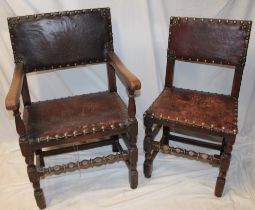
<point>61,39</point>
<point>209,40</point>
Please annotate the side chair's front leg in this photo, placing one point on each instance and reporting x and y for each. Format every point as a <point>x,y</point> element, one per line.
<point>224,165</point>
<point>147,166</point>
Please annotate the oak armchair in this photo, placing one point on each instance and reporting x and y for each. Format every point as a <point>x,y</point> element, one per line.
<point>73,38</point>
<point>210,116</point>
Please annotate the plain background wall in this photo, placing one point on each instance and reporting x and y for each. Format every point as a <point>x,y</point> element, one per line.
<point>140,33</point>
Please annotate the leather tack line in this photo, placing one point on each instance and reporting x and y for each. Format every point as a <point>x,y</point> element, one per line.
<point>83,132</point>
<point>194,123</point>
<point>84,164</point>
<point>245,25</point>
<point>108,47</point>
<point>189,123</point>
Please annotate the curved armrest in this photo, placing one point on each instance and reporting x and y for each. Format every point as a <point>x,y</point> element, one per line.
<point>128,79</point>
<point>12,98</point>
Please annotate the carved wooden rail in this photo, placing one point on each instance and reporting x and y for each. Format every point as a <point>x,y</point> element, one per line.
<point>84,164</point>
<point>213,159</point>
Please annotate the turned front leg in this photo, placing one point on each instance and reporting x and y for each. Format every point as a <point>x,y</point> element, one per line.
<point>147,166</point>
<point>133,151</point>
<point>224,165</point>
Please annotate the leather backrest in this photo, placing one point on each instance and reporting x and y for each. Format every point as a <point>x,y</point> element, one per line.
<point>61,39</point>
<point>209,40</point>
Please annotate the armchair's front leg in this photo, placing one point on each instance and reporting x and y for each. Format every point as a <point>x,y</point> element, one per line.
<point>29,159</point>
<point>133,151</point>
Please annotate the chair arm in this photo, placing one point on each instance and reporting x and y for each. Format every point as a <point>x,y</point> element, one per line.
<point>12,98</point>
<point>126,77</point>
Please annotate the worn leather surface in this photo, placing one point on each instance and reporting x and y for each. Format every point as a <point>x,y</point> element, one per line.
<point>220,42</point>
<point>56,40</point>
<point>196,108</point>
<point>76,113</point>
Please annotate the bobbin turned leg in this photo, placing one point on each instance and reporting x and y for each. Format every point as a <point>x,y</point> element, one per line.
<point>133,156</point>
<point>224,165</point>
<point>148,163</point>
<point>132,150</point>
<point>32,173</point>
<point>35,179</point>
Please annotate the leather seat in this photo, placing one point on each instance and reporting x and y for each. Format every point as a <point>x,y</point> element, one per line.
<point>58,118</point>
<point>196,108</point>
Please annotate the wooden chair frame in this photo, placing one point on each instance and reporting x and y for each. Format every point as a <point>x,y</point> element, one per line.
<point>32,148</point>
<point>154,123</point>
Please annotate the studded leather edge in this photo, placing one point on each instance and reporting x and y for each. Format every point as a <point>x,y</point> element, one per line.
<point>245,25</point>
<point>210,127</point>
<point>104,12</point>
<point>83,132</point>
<point>179,121</point>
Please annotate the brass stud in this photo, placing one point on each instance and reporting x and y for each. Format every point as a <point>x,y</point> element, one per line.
<point>202,19</point>
<point>186,18</point>
<point>112,126</point>
<point>234,21</point>
<point>74,133</point>
<point>160,115</point>
<point>219,21</point>
<point>212,125</point>
<point>212,61</point>
<point>203,123</point>
<point>47,138</point>
<point>121,125</point>
<point>177,118</point>
<point>56,136</point>
<point>193,122</point>
<point>241,22</point>
<point>65,134</point>
<point>234,131</point>
<point>102,128</point>
<point>223,128</point>
<point>93,129</point>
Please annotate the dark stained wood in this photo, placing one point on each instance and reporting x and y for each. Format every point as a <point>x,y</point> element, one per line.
<point>194,142</point>
<point>196,113</point>
<point>25,92</point>
<point>87,121</point>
